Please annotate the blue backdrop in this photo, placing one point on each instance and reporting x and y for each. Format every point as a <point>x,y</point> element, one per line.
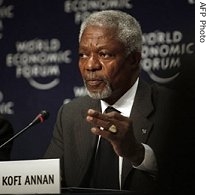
<point>38,57</point>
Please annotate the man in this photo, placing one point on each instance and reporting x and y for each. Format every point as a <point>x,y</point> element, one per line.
<point>141,129</point>
<point>6,132</point>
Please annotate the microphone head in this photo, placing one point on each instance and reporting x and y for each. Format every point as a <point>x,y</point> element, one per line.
<point>40,118</point>
<point>44,114</point>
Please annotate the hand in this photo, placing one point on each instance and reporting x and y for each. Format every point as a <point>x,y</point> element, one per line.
<point>123,141</point>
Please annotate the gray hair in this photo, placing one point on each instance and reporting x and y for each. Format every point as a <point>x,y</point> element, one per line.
<point>128,29</point>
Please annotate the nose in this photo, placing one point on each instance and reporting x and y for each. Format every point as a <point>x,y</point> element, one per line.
<point>93,64</point>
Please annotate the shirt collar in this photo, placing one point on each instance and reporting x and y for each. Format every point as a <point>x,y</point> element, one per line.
<point>125,103</point>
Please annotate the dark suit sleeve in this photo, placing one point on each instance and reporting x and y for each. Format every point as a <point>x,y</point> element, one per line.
<point>55,148</point>
<point>6,132</point>
<point>173,144</point>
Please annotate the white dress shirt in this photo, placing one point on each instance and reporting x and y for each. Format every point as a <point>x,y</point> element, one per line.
<point>124,105</point>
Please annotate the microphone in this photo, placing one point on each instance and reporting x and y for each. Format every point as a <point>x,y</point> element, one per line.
<point>40,118</point>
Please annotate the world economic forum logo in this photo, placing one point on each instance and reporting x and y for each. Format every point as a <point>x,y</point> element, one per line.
<point>161,55</point>
<point>39,61</point>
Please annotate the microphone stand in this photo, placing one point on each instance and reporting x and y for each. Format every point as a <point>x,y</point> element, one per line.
<point>16,135</point>
<point>39,119</point>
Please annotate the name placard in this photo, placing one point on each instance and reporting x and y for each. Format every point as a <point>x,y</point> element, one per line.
<point>30,177</point>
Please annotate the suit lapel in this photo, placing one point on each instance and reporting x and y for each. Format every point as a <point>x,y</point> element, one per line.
<point>142,120</point>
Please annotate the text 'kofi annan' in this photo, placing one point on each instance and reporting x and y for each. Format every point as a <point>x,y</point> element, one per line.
<point>28,180</point>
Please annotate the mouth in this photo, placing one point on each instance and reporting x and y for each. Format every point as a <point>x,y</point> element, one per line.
<point>94,82</point>
<point>98,88</point>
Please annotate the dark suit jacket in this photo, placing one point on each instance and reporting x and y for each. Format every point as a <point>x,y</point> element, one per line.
<point>6,132</point>
<point>153,124</point>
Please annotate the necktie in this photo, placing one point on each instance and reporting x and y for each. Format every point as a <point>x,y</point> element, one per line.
<point>106,169</point>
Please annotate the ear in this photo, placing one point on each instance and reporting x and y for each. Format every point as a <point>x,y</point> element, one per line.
<point>134,59</point>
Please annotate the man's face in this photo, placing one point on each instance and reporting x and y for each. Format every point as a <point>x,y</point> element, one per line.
<point>104,65</point>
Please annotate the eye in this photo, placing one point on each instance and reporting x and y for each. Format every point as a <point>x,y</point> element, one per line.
<point>105,55</point>
<point>82,55</point>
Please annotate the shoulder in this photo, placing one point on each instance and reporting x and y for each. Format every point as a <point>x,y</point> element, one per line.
<point>159,89</point>
<point>167,101</point>
<point>161,97</point>
<point>79,103</point>
<point>156,91</point>
<point>78,106</point>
